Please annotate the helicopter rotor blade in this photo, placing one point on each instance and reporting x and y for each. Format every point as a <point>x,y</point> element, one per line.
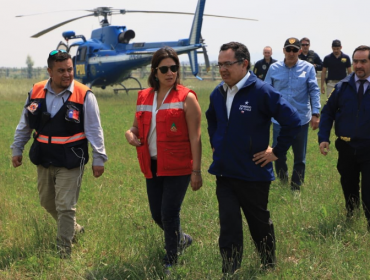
<point>179,13</point>
<point>58,25</point>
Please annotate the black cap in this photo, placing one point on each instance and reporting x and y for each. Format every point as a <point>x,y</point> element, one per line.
<point>336,43</point>
<point>292,42</point>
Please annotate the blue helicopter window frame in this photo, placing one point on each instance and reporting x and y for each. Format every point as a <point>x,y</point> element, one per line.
<point>82,54</point>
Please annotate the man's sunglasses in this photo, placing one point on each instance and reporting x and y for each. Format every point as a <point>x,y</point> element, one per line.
<point>291,50</point>
<point>305,45</point>
<point>54,52</point>
<point>164,69</point>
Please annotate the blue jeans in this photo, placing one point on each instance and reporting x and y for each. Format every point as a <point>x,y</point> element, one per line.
<point>299,147</point>
<point>165,195</point>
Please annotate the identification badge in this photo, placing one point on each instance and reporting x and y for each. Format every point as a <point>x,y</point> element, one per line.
<point>72,114</point>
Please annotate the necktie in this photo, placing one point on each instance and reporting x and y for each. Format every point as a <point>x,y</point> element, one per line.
<point>360,92</point>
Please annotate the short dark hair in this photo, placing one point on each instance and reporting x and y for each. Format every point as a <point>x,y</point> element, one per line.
<point>361,48</point>
<point>240,50</point>
<point>59,56</point>
<point>305,39</point>
<point>158,56</point>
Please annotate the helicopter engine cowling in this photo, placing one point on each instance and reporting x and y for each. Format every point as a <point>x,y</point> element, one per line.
<point>126,36</point>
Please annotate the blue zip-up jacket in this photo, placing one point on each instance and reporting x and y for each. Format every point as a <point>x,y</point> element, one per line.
<point>247,131</point>
<point>352,122</point>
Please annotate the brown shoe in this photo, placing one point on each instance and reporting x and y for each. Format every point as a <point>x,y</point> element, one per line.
<point>64,252</point>
<point>78,230</point>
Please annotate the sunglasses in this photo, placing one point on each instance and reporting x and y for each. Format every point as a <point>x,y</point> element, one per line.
<point>54,52</point>
<point>164,69</point>
<point>291,50</point>
<point>305,45</point>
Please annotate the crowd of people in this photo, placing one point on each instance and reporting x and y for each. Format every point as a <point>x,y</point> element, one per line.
<point>64,116</point>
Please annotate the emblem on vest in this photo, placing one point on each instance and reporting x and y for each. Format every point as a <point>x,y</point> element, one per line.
<point>173,127</point>
<point>33,107</point>
<point>264,67</point>
<point>343,60</point>
<point>245,107</point>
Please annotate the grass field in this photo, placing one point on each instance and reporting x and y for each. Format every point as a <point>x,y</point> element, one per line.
<point>314,240</point>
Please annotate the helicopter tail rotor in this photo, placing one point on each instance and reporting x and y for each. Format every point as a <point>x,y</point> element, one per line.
<point>206,58</point>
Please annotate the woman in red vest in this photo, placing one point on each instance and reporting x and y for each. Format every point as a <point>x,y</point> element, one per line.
<point>166,134</point>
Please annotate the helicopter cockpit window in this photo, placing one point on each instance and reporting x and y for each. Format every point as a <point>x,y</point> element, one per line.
<point>81,55</point>
<point>138,45</point>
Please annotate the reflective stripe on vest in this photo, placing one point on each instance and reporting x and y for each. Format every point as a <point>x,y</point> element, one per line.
<point>61,140</point>
<point>164,106</point>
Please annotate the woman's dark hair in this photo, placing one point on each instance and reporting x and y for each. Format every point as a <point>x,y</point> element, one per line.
<point>158,56</point>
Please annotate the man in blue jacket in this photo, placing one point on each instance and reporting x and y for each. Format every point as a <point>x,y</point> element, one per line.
<point>239,118</point>
<point>349,108</point>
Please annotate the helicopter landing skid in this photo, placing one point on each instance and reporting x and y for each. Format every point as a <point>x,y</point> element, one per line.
<point>127,89</point>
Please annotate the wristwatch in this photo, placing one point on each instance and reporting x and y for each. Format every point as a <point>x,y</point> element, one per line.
<point>317,115</point>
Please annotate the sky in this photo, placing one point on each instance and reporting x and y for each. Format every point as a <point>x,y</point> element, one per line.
<point>320,20</point>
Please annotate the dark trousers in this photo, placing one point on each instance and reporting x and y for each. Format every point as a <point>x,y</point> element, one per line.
<point>351,165</point>
<point>165,195</point>
<point>252,198</point>
<point>299,147</point>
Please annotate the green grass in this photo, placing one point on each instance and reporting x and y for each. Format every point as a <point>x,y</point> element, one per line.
<point>314,240</point>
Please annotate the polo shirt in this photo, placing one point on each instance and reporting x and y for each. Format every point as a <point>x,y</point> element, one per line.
<point>337,67</point>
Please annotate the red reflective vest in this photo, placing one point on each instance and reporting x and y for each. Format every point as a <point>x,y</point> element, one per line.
<point>174,156</point>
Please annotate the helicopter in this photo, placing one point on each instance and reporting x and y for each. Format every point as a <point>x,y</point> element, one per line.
<point>108,58</point>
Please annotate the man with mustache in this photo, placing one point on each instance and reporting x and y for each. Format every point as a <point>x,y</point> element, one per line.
<point>349,108</point>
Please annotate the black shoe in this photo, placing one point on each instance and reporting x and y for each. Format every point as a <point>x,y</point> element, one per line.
<point>295,187</point>
<point>188,240</point>
<point>167,269</point>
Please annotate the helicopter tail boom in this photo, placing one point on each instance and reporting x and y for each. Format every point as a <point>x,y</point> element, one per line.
<point>195,37</point>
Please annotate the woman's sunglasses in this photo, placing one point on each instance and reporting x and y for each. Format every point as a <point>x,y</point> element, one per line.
<point>164,69</point>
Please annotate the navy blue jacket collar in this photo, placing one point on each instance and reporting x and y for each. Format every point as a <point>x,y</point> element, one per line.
<point>251,80</point>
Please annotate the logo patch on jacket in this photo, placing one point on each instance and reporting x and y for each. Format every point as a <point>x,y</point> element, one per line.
<point>343,60</point>
<point>245,107</point>
<point>33,107</point>
<point>173,127</point>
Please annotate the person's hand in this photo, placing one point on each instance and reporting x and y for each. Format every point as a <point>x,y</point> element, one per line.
<point>17,161</point>
<point>322,89</point>
<point>314,122</point>
<point>132,138</point>
<point>264,157</point>
<point>98,171</point>
<point>324,148</point>
<point>196,181</point>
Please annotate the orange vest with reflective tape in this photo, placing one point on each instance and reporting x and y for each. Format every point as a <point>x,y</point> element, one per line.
<point>60,140</point>
<point>174,156</point>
